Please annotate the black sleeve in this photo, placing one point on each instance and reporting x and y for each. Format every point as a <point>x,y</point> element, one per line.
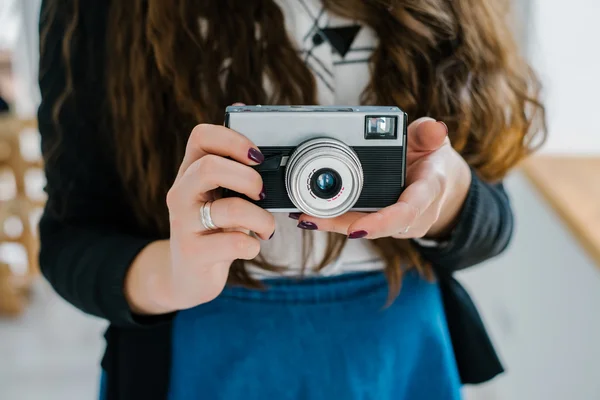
<point>483,231</point>
<point>88,237</point>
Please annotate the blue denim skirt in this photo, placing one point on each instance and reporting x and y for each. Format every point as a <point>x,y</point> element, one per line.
<point>313,339</point>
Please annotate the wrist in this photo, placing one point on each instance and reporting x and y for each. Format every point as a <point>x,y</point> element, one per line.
<point>147,284</point>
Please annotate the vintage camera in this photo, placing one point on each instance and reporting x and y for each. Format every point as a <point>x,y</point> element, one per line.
<point>325,161</point>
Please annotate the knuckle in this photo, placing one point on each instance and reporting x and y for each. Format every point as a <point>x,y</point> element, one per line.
<point>255,179</point>
<point>172,198</point>
<point>198,134</point>
<point>195,167</point>
<point>231,141</point>
<point>245,246</point>
<point>253,249</point>
<point>267,226</point>
<point>240,243</point>
<point>428,166</point>
<point>441,180</point>
<point>234,209</point>
<point>270,223</point>
<point>207,165</point>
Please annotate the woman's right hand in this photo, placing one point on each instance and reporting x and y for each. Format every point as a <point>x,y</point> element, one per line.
<point>198,258</point>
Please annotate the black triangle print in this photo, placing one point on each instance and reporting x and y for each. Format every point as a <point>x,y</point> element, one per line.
<point>341,39</point>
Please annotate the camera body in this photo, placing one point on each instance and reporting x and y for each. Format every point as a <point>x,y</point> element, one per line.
<point>326,160</point>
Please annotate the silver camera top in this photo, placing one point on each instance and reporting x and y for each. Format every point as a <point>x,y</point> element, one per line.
<point>291,125</point>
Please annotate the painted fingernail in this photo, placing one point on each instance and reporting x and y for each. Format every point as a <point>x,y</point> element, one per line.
<point>445,126</point>
<point>358,235</point>
<point>256,155</point>
<point>294,215</point>
<point>263,194</point>
<point>309,226</point>
<point>272,234</point>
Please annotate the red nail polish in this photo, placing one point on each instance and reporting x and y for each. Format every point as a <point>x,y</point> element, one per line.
<point>358,235</point>
<point>272,234</point>
<point>295,216</point>
<point>445,126</point>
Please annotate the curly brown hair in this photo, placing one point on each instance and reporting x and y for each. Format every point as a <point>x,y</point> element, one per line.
<point>455,61</point>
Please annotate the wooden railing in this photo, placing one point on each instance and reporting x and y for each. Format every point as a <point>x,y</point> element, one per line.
<point>571,185</point>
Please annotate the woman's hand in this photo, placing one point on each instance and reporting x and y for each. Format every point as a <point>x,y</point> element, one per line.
<point>438,181</point>
<point>198,260</point>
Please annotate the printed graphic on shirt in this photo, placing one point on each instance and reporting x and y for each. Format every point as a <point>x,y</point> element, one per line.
<point>327,42</point>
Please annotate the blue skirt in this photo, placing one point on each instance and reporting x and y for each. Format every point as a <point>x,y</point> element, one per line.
<point>320,338</point>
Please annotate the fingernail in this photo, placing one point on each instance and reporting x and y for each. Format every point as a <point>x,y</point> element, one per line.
<point>263,194</point>
<point>256,155</point>
<point>309,226</point>
<point>358,235</point>
<point>445,126</point>
<point>294,215</point>
<point>272,234</point>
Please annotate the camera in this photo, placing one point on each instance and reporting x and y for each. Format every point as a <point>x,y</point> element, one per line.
<point>326,160</point>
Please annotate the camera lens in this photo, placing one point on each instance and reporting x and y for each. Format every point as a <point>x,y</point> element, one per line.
<point>326,183</point>
<point>324,178</point>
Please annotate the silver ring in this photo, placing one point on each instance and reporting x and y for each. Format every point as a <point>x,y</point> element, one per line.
<point>206,218</point>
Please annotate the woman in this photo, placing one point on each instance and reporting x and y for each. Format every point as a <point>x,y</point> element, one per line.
<point>133,103</point>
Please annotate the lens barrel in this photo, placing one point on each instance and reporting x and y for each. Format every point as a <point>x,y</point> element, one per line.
<point>324,178</point>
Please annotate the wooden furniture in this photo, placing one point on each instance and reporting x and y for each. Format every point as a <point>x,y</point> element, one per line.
<point>19,208</point>
<point>571,184</point>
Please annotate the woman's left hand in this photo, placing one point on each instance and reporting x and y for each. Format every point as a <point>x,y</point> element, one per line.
<point>438,181</point>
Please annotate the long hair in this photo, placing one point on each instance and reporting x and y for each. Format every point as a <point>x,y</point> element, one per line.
<point>173,64</point>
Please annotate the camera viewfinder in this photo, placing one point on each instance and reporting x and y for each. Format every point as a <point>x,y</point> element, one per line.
<point>380,127</point>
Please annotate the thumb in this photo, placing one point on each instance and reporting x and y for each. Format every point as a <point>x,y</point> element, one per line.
<point>426,134</point>
<point>238,104</point>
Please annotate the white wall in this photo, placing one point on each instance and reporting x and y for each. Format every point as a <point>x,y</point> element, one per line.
<point>26,58</point>
<point>9,24</point>
<point>565,48</point>
<point>540,303</point>
<point>19,34</point>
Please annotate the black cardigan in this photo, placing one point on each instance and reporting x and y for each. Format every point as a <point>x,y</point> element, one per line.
<point>89,237</point>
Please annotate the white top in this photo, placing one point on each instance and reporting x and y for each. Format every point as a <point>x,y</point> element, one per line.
<point>337,51</point>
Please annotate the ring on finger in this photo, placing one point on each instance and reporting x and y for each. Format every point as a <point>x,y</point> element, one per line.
<point>206,218</point>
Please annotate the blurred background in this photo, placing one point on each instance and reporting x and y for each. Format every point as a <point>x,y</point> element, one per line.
<point>539,300</point>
